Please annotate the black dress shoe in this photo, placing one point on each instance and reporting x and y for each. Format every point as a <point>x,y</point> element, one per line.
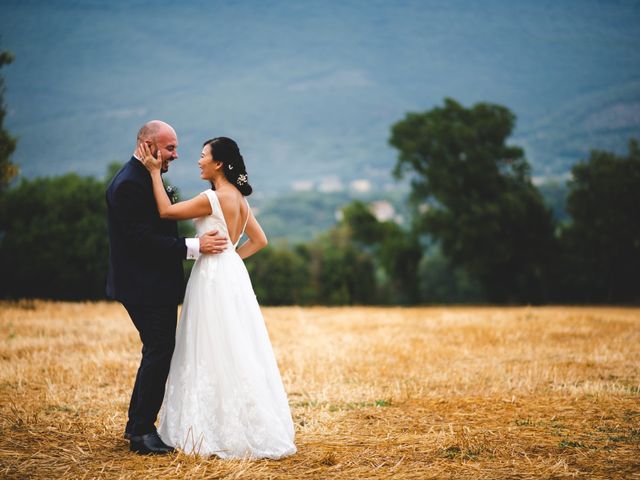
<point>149,444</point>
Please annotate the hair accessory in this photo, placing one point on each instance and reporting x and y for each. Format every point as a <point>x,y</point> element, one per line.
<point>230,167</point>
<point>242,178</point>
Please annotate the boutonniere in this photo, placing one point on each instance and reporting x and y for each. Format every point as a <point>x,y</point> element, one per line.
<point>172,193</point>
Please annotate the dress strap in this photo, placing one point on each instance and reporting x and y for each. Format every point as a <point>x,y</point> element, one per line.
<point>245,222</point>
<point>213,200</point>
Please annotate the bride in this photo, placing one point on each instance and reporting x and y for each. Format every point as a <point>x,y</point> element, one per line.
<point>224,394</point>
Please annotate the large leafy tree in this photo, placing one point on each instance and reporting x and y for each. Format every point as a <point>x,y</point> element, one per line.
<point>54,241</point>
<point>477,198</point>
<point>8,170</point>
<point>602,243</point>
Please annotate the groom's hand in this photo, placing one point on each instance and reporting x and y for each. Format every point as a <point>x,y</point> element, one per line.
<point>212,242</point>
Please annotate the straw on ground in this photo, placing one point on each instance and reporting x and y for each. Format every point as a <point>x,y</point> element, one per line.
<point>375,393</point>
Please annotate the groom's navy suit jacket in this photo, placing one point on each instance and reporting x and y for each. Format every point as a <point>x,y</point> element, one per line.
<point>145,252</point>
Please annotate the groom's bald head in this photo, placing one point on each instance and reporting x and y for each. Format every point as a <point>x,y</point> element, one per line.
<point>161,137</point>
<point>150,130</point>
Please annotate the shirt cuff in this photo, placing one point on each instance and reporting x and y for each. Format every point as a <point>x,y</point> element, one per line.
<point>193,248</point>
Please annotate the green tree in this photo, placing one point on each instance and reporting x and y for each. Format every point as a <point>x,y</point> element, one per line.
<point>602,243</point>
<point>340,273</point>
<point>441,283</point>
<point>555,194</point>
<point>54,239</point>
<point>478,200</point>
<point>280,276</point>
<point>397,251</point>
<point>8,170</point>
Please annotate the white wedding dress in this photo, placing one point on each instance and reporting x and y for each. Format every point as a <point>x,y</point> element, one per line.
<point>224,394</point>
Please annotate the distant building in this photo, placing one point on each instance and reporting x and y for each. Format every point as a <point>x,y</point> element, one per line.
<point>382,210</point>
<point>423,208</point>
<point>542,179</point>
<point>330,184</point>
<point>361,185</point>
<point>302,185</point>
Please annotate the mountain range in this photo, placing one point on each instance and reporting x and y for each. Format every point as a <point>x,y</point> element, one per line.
<point>310,89</point>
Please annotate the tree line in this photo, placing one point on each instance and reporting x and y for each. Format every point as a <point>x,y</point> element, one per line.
<point>480,230</point>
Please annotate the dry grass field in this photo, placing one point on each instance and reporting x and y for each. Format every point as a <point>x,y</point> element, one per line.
<point>375,393</point>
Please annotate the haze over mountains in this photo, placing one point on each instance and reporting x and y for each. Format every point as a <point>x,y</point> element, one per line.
<point>310,89</point>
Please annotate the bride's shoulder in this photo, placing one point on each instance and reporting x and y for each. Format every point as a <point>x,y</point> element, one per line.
<point>224,195</point>
<point>228,198</point>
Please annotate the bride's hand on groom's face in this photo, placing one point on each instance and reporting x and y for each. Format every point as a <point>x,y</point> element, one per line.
<point>143,152</point>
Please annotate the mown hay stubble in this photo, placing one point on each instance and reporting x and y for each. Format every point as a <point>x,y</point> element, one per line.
<point>375,393</point>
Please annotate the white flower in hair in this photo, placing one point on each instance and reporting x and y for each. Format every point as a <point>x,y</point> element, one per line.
<point>242,178</point>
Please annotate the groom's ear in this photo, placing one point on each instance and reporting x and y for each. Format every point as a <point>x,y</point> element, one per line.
<point>152,146</point>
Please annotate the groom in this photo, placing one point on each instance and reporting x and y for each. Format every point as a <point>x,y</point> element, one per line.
<point>145,275</point>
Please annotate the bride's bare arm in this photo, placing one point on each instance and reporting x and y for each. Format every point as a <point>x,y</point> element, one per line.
<point>198,206</point>
<point>257,239</point>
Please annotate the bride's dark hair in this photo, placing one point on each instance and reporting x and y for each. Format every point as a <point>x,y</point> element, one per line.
<point>225,150</point>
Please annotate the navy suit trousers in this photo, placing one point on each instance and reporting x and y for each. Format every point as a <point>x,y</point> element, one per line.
<point>157,328</point>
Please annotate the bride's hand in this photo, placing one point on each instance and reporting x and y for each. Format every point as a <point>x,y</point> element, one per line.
<point>143,152</point>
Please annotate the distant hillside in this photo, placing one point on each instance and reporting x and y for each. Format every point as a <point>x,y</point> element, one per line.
<point>310,89</point>
<point>302,216</point>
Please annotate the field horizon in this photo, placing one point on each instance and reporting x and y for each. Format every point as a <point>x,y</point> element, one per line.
<point>376,393</point>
